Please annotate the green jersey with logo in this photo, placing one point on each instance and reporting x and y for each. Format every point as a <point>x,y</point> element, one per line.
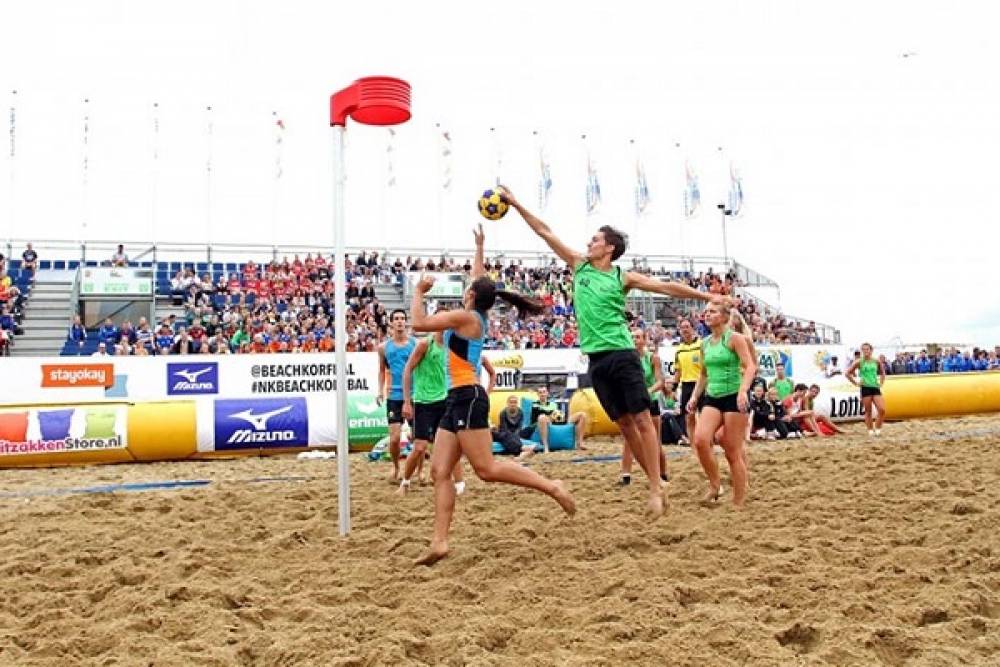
<point>648,372</point>
<point>784,387</point>
<point>722,365</point>
<point>868,370</point>
<point>599,301</point>
<point>429,385</point>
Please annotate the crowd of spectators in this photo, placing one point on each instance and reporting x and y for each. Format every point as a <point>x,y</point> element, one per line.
<point>946,360</point>
<point>287,306</point>
<point>12,299</point>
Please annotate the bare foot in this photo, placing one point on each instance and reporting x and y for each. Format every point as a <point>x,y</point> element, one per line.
<point>712,496</point>
<point>655,504</point>
<point>433,555</point>
<point>564,497</point>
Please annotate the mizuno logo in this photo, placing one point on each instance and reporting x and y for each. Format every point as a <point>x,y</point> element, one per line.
<point>192,376</point>
<point>259,422</point>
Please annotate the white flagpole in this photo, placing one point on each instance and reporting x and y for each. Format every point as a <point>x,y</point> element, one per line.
<point>208,180</point>
<point>340,335</point>
<point>86,170</point>
<point>13,169</point>
<point>154,175</point>
<point>276,185</point>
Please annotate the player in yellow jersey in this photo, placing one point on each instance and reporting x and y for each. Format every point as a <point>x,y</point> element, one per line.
<point>687,370</point>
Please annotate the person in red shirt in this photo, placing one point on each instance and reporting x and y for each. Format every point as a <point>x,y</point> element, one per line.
<point>250,269</point>
<point>251,284</point>
<point>326,343</point>
<point>569,337</point>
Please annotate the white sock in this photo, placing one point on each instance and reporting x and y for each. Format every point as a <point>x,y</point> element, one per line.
<point>460,488</point>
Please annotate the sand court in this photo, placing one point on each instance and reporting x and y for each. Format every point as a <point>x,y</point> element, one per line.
<point>851,552</point>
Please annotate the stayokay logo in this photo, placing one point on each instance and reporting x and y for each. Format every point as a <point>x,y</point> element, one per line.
<point>263,422</point>
<point>367,421</point>
<point>200,378</point>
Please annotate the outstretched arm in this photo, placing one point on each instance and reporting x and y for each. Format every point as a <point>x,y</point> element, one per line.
<point>672,288</point>
<point>564,252</point>
<point>478,263</point>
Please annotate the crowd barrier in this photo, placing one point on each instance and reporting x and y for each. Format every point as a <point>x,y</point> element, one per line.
<point>116,410</point>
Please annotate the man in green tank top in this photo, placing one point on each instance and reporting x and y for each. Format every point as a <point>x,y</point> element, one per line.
<point>782,384</point>
<point>599,290</point>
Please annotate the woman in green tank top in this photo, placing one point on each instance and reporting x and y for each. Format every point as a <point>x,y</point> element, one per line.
<point>424,392</point>
<point>872,373</point>
<point>652,373</point>
<point>727,371</point>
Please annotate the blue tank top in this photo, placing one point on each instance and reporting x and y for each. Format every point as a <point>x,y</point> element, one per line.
<point>463,362</point>
<point>396,357</point>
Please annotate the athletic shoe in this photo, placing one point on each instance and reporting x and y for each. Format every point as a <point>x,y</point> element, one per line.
<point>878,432</point>
<point>625,480</point>
<point>459,488</point>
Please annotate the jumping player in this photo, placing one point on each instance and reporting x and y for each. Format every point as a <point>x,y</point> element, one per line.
<point>392,356</point>
<point>599,291</point>
<point>464,427</point>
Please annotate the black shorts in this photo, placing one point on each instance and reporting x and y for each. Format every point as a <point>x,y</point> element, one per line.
<point>870,391</point>
<point>721,403</point>
<point>654,407</point>
<point>618,381</point>
<point>527,432</point>
<point>426,417</point>
<point>466,409</point>
<point>394,410</point>
<point>687,390</point>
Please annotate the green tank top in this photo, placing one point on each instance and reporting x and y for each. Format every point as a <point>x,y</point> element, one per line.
<point>722,365</point>
<point>428,377</point>
<point>868,370</point>
<point>784,387</point>
<point>599,301</point>
<point>648,373</point>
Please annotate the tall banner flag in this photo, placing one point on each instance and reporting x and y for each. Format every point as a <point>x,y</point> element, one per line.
<point>279,140</point>
<point>593,183</point>
<point>497,156</point>
<point>544,175</point>
<point>641,186</point>
<point>390,148</point>
<point>692,194</point>
<point>444,137</point>
<point>735,199</point>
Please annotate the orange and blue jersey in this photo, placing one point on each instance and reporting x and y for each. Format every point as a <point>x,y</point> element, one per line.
<point>463,362</point>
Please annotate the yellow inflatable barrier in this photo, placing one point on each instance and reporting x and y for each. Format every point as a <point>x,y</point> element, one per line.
<point>941,395</point>
<point>162,431</point>
<point>585,401</point>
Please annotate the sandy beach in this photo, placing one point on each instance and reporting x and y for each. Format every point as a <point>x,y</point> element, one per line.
<point>851,552</point>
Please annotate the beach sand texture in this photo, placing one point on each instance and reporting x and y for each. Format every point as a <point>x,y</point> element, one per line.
<point>850,552</point>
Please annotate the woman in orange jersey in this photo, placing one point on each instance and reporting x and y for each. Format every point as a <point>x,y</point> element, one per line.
<point>464,428</point>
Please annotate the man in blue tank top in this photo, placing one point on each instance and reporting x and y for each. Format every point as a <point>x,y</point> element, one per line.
<point>392,356</point>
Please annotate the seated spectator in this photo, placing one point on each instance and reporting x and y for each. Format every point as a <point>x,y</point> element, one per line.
<point>508,430</point>
<point>764,419</point>
<point>144,335</point>
<point>796,411</point>
<point>108,334</point>
<point>833,368</point>
<point>119,258</point>
<point>29,260</point>
<point>820,423</point>
<point>164,339</point>
<point>127,333</point>
<point>544,413</point>
<point>77,333</point>
<point>140,350</point>
<point>102,350</point>
<point>923,364</point>
<point>784,424</point>
<point>183,343</point>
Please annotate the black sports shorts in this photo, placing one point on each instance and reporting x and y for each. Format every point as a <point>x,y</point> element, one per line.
<point>619,383</point>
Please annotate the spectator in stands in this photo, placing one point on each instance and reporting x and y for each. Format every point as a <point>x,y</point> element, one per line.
<point>923,363</point>
<point>144,335</point>
<point>108,334</point>
<point>29,260</point>
<point>102,350</point>
<point>183,343</point>
<point>833,368</point>
<point>7,322</point>
<point>140,350</point>
<point>127,334</point>
<point>77,334</point>
<point>119,258</point>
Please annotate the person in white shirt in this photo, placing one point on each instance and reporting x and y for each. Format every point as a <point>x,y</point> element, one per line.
<point>833,368</point>
<point>102,350</point>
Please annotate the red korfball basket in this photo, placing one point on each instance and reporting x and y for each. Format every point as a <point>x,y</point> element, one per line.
<point>372,100</point>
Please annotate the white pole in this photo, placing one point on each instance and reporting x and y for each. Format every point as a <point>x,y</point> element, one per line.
<point>13,169</point>
<point>340,334</point>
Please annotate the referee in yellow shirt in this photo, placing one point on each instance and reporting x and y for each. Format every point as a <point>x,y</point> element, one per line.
<point>687,370</point>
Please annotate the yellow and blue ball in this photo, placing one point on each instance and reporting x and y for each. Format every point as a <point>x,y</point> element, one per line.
<point>493,205</point>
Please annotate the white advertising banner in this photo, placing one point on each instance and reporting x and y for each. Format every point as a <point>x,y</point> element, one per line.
<point>61,429</point>
<point>75,379</point>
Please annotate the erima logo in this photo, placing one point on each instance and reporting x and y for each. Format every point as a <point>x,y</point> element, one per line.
<point>259,423</point>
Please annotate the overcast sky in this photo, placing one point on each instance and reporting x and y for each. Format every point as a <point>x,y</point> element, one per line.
<point>870,177</point>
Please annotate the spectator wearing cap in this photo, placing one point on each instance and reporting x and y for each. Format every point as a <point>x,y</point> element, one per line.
<point>102,350</point>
